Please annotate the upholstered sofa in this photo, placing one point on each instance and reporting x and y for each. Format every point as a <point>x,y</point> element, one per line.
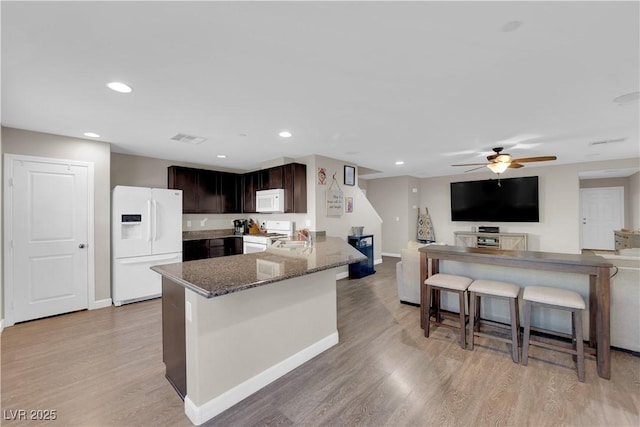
<point>625,299</point>
<point>408,273</point>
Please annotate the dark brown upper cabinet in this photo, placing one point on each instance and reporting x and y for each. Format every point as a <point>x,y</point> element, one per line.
<point>294,177</point>
<point>185,179</point>
<point>230,192</point>
<point>207,191</point>
<point>250,184</point>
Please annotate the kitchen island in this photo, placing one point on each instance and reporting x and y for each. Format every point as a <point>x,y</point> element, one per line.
<point>232,325</point>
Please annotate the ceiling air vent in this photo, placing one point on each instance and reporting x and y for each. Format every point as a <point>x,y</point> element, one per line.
<point>606,141</point>
<point>183,137</point>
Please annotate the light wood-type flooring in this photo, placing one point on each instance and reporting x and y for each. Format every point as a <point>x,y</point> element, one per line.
<point>104,368</point>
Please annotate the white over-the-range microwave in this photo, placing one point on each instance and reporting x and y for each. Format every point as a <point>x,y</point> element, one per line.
<point>270,200</point>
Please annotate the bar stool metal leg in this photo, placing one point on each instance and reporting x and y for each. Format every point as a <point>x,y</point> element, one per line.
<point>463,324</point>
<point>527,331</point>
<point>579,344</point>
<point>515,329</point>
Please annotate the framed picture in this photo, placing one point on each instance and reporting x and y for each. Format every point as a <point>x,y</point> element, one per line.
<point>349,175</point>
<point>348,204</point>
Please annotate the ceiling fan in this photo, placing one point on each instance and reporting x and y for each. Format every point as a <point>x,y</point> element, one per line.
<point>500,162</point>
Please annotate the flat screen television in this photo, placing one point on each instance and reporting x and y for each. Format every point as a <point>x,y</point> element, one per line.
<point>515,200</point>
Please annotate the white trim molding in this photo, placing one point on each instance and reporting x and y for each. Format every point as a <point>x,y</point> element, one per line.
<point>391,254</point>
<point>217,405</point>
<point>1,325</point>
<point>94,305</point>
<point>342,275</point>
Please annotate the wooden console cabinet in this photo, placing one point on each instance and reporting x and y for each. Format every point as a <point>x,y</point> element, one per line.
<point>626,239</point>
<point>511,241</point>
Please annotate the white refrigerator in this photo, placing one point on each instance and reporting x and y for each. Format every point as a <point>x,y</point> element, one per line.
<point>146,230</point>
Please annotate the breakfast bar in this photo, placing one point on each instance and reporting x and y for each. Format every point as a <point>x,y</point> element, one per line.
<point>234,324</point>
<point>528,265</point>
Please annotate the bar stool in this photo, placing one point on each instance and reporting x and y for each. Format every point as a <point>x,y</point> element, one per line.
<point>561,299</point>
<point>499,290</point>
<point>449,283</point>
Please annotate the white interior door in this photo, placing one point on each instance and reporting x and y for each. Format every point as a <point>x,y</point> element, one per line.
<point>48,238</point>
<point>602,213</point>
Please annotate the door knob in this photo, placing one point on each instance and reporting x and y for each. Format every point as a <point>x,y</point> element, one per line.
<point>81,245</point>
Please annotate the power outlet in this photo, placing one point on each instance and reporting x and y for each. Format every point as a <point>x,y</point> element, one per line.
<point>188,223</point>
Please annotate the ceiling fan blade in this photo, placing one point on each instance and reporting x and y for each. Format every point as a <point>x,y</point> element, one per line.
<point>471,164</point>
<point>514,165</point>
<point>535,159</point>
<point>473,169</point>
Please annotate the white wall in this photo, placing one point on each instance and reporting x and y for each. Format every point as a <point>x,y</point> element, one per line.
<point>634,201</point>
<point>559,226</point>
<point>397,205</point>
<point>363,212</point>
<point>16,141</point>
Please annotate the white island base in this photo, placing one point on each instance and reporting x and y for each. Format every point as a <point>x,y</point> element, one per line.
<point>238,343</point>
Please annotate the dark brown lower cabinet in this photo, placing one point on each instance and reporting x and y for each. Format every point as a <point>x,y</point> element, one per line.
<point>195,249</point>
<point>211,248</point>
<point>216,248</point>
<point>174,354</point>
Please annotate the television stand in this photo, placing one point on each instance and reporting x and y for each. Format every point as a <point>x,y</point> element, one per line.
<point>514,241</point>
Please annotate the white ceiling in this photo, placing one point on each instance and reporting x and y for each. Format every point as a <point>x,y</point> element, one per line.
<point>428,83</point>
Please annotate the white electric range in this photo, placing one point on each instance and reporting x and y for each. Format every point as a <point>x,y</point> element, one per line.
<point>274,230</point>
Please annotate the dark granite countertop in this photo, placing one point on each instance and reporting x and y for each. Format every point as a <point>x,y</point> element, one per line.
<point>207,234</point>
<point>215,277</point>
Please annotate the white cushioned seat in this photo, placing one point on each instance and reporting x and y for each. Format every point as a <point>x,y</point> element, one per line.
<point>553,296</point>
<point>449,281</point>
<point>494,287</point>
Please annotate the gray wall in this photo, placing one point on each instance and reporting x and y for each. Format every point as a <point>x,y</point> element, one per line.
<point>397,206</point>
<point>138,171</point>
<point>16,141</point>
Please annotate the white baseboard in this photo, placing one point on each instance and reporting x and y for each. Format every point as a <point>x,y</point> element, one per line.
<point>1,325</point>
<point>342,275</point>
<point>100,304</point>
<point>215,406</point>
<point>377,261</point>
<point>391,255</point>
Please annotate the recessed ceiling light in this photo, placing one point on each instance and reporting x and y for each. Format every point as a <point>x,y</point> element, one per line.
<point>221,156</point>
<point>285,134</point>
<point>91,135</point>
<point>399,162</point>
<point>511,26</point>
<point>119,87</point>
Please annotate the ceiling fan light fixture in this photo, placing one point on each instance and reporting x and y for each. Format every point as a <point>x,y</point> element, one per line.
<point>503,158</point>
<point>498,167</point>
